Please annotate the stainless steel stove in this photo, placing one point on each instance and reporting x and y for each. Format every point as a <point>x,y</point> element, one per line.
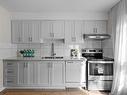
<point>99,69</point>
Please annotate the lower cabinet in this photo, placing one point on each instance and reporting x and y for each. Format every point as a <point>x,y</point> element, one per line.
<point>75,74</point>
<point>34,73</point>
<point>58,74</point>
<point>10,73</point>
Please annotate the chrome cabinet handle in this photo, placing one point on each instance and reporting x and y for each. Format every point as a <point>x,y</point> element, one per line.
<point>24,65</point>
<point>31,39</point>
<point>95,30</point>
<point>19,39</point>
<point>73,39</point>
<point>52,34</point>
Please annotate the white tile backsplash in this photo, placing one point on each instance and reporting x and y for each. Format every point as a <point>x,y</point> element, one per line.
<point>60,49</point>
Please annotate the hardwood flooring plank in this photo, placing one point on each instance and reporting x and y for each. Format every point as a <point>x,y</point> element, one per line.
<point>53,92</point>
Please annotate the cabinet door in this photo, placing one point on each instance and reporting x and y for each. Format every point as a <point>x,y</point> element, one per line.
<point>46,29</point>
<point>26,73</point>
<point>35,31</point>
<point>75,72</point>
<point>69,32</point>
<point>10,73</point>
<point>73,32</point>
<point>16,30</point>
<point>89,27</point>
<point>58,29</point>
<point>26,28</point>
<point>78,31</point>
<point>42,73</point>
<point>57,73</point>
<point>101,26</point>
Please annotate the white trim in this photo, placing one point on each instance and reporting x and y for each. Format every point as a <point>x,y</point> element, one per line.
<point>35,87</point>
<point>1,89</point>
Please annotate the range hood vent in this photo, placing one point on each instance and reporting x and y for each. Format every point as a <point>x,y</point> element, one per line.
<point>96,36</point>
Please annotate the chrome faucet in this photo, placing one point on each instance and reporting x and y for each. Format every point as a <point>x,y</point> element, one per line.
<point>52,50</point>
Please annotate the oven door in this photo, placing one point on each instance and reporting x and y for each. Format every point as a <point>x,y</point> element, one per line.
<point>100,70</point>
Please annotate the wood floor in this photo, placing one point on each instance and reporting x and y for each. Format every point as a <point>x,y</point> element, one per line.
<point>53,92</point>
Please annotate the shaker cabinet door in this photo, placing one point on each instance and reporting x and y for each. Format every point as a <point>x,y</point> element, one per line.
<point>26,73</point>
<point>58,29</point>
<point>16,30</point>
<point>57,73</point>
<point>42,73</point>
<point>46,29</point>
<point>35,31</point>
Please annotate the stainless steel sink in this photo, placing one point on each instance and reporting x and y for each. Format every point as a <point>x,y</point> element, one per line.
<point>52,57</point>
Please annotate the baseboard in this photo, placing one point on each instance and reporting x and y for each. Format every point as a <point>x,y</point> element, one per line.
<point>2,90</point>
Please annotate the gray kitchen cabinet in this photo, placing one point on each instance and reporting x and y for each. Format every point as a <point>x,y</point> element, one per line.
<point>34,73</point>
<point>10,73</point>
<point>58,29</point>
<point>25,73</point>
<point>46,29</point>
<point>42,74</point>
<point>16,31</point>
<point>58,73</point>
<point>52,29</point>
<point>75,73</point>
<point>95,27</point>
<point>73,31</point>
<point>26,31</point>
<point>31,31</point>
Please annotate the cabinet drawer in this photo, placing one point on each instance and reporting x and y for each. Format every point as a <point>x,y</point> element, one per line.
<point>10,81</point>
<point>9,64</point>
<point>11,72</point>
<point>99,85</point>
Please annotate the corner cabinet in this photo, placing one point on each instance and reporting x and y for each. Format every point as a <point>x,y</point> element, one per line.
<point>34,74</point>
<point>75,74</point>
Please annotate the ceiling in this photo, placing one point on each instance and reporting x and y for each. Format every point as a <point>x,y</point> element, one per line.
<point>58,5</point>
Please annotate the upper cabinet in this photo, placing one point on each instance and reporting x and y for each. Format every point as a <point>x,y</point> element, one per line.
<point>73,31</point>
<point>52,29</point>
<point>27,31</point>
<point>16,30</point>
<point>95,27</point>
<point>36,31</point>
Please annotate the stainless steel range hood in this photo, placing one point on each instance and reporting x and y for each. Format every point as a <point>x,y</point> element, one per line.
<point>96,36</point>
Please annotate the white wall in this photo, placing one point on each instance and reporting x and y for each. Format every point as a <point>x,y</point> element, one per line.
<point>6,48</point>
<point>61,15</point>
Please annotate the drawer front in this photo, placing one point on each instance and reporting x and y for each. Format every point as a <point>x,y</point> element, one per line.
<point>99,85</point>
<point>10,81</point>
<point>11,72</point>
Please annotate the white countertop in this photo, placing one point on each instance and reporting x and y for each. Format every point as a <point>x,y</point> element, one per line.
<point>42,59</point>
